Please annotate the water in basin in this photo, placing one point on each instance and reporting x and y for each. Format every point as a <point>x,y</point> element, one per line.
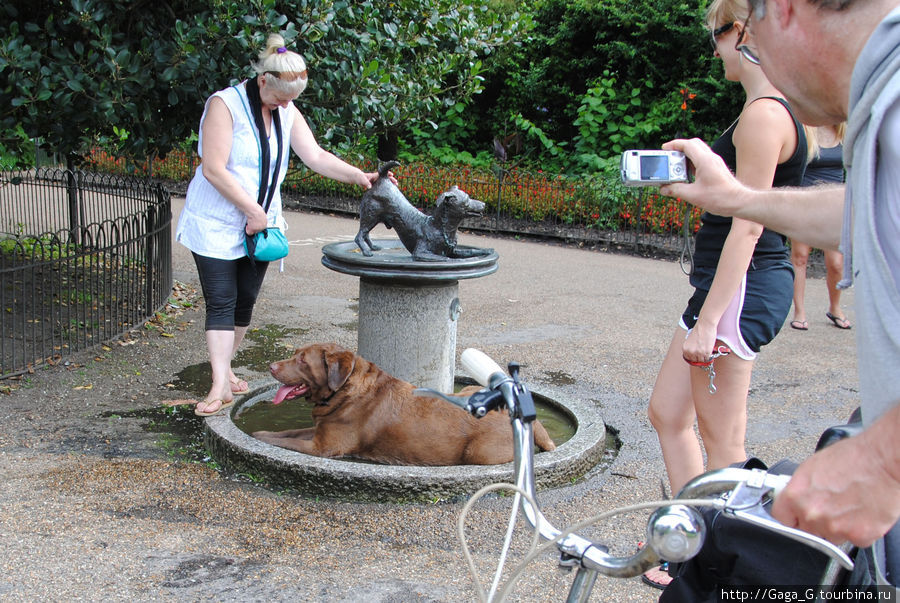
<point>258,414</point>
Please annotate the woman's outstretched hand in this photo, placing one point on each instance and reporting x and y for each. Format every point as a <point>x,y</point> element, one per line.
<point>371,177</point>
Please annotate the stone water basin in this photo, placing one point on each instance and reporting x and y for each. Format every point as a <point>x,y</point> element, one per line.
<point>575,426</point>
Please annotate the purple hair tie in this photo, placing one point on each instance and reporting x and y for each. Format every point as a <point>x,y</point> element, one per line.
<point>281,50</point>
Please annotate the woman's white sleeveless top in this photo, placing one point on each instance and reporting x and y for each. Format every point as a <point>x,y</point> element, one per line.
<point>210,225</point>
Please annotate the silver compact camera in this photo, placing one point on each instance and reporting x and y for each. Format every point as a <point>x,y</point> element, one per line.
<point>653,168</point>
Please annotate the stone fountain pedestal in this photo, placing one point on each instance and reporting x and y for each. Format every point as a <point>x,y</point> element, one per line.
<point>408,309</point>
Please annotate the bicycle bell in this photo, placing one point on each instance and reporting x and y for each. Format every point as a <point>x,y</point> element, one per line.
<point>676,532</point>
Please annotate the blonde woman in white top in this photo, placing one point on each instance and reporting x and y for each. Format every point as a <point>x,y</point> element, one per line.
<point>244,160</point>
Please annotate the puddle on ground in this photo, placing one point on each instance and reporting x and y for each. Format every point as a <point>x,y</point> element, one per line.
<point>261,347</point>
<point>557,378</point>
<point>180,430</point>
<point>267,347</point>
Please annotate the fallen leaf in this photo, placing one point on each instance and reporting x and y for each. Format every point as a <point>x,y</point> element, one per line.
<point>178,402</point>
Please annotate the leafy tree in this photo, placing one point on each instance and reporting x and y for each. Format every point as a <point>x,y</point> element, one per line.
<point>578,70</point>
<point>136,73</point>
<point>402,63</point>
<point>70,71</point>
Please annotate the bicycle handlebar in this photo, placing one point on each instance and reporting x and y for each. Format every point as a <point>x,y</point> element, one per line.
<point>480,366</point>
<point>749,489</point>
<point>675,532</point>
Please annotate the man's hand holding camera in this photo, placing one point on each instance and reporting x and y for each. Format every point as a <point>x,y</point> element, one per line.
<point>714,187</point>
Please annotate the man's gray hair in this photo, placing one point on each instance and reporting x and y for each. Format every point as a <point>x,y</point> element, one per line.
<point>759,6</point>
<point>833,4</point>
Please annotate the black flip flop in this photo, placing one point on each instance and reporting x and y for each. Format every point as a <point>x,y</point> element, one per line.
<point>663,567</point>
<point>837,320</point>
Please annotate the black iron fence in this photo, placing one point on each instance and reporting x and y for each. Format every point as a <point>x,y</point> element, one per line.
<point>84,257</point>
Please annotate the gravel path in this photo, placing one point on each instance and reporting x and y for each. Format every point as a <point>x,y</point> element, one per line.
<point>98,501</point>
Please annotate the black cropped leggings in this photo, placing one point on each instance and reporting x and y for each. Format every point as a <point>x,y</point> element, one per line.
<point>230,288</point>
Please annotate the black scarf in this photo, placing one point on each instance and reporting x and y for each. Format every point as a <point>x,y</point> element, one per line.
<point>266,185</point>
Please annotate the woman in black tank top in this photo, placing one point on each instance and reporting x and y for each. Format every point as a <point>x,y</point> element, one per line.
<point>742,277</point>
<point>826,166</point>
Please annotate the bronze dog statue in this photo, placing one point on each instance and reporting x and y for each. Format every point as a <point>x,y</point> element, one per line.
<point>427,238</point>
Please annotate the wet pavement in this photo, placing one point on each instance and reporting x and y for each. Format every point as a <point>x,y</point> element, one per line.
<point>106,496</point>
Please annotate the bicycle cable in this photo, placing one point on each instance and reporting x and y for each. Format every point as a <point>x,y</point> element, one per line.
<point>461,524</point>
<point>507,542</point>
<point>535,549</point>
<point>698,502</point>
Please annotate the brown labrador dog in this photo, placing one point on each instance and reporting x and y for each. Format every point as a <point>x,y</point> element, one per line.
<point>361,411</point>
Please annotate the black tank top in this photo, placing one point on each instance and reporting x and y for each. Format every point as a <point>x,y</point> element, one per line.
<point>827,166</point>
<point>771,246</point>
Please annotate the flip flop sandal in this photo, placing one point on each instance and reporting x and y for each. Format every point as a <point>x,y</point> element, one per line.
<point>841,323</point>
<point>240,387</point>
<point>662,568</point>
<point>800,325</point>
<point>208,413</point>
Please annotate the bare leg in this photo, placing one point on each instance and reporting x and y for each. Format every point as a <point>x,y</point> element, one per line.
<point>239,333</point>
<point>672,414</point>
<point>834,268</point>
<point>219,344</point>
<point>799,258</point>
<point>722,417</point>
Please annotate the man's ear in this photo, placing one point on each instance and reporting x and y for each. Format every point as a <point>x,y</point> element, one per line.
<point>782,11</point>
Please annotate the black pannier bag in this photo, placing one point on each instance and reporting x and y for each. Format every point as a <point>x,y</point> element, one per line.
<point>737,553</point>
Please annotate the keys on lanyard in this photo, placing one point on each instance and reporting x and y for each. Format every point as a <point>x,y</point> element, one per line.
<point>720,350</point>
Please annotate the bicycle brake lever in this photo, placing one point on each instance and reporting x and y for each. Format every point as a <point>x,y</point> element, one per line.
<point>427,392</point>
<point>478,404</point>
<point>746,504</point>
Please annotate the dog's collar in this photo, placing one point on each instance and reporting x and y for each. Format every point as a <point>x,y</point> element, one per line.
<point>325,401</point>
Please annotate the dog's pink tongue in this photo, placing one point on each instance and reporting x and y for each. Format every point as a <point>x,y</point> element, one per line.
<point>282,393</point>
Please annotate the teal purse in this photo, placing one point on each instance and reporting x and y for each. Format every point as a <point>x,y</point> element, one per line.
<point>267,245</point>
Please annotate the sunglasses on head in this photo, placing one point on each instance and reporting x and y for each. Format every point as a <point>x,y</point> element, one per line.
<point>289,76</point>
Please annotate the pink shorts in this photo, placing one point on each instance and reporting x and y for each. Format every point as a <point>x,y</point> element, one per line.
<point>728,330</point>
